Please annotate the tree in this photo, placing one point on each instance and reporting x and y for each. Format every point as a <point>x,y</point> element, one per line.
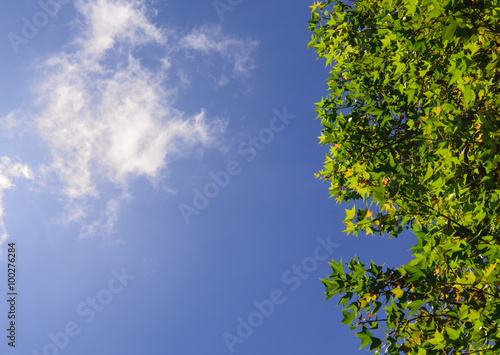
<point>412,121</point>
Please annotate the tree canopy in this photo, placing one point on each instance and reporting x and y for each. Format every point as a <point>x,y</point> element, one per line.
<point>412,121</point>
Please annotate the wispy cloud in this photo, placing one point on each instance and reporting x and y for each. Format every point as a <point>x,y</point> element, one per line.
<point>10,170</point>
<point>107,117</point>
<point>111,22</point>
<point>210,39</point>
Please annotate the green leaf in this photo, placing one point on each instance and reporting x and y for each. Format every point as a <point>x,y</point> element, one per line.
<point>429,172</point>
<point>376,342</point>
<point>452,333</point>
<point>349,214</point>
<point>414,306</point>
<point>391,160</point>
<point>449,30</point>
<point>468,94</point>
<point>437,339</point>
<point>348,317</point>
<point>338,267</point>
<point>365,336</point>
<point>398,292</point>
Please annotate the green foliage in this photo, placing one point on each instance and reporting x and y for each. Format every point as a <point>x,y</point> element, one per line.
<point>412,120</point>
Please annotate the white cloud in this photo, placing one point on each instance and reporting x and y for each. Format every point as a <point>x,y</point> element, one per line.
<point>8,171</point>
<point>106,117</point>
<point>211,39</point>
<point>9,125</point>
<point>119,122</point>
<point>105,223</point>
<point>116,21</point>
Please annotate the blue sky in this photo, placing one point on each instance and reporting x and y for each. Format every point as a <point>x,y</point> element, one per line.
<point>157,166</point>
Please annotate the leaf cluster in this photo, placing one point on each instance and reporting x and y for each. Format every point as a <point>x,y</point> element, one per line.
<point>412,121</point>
